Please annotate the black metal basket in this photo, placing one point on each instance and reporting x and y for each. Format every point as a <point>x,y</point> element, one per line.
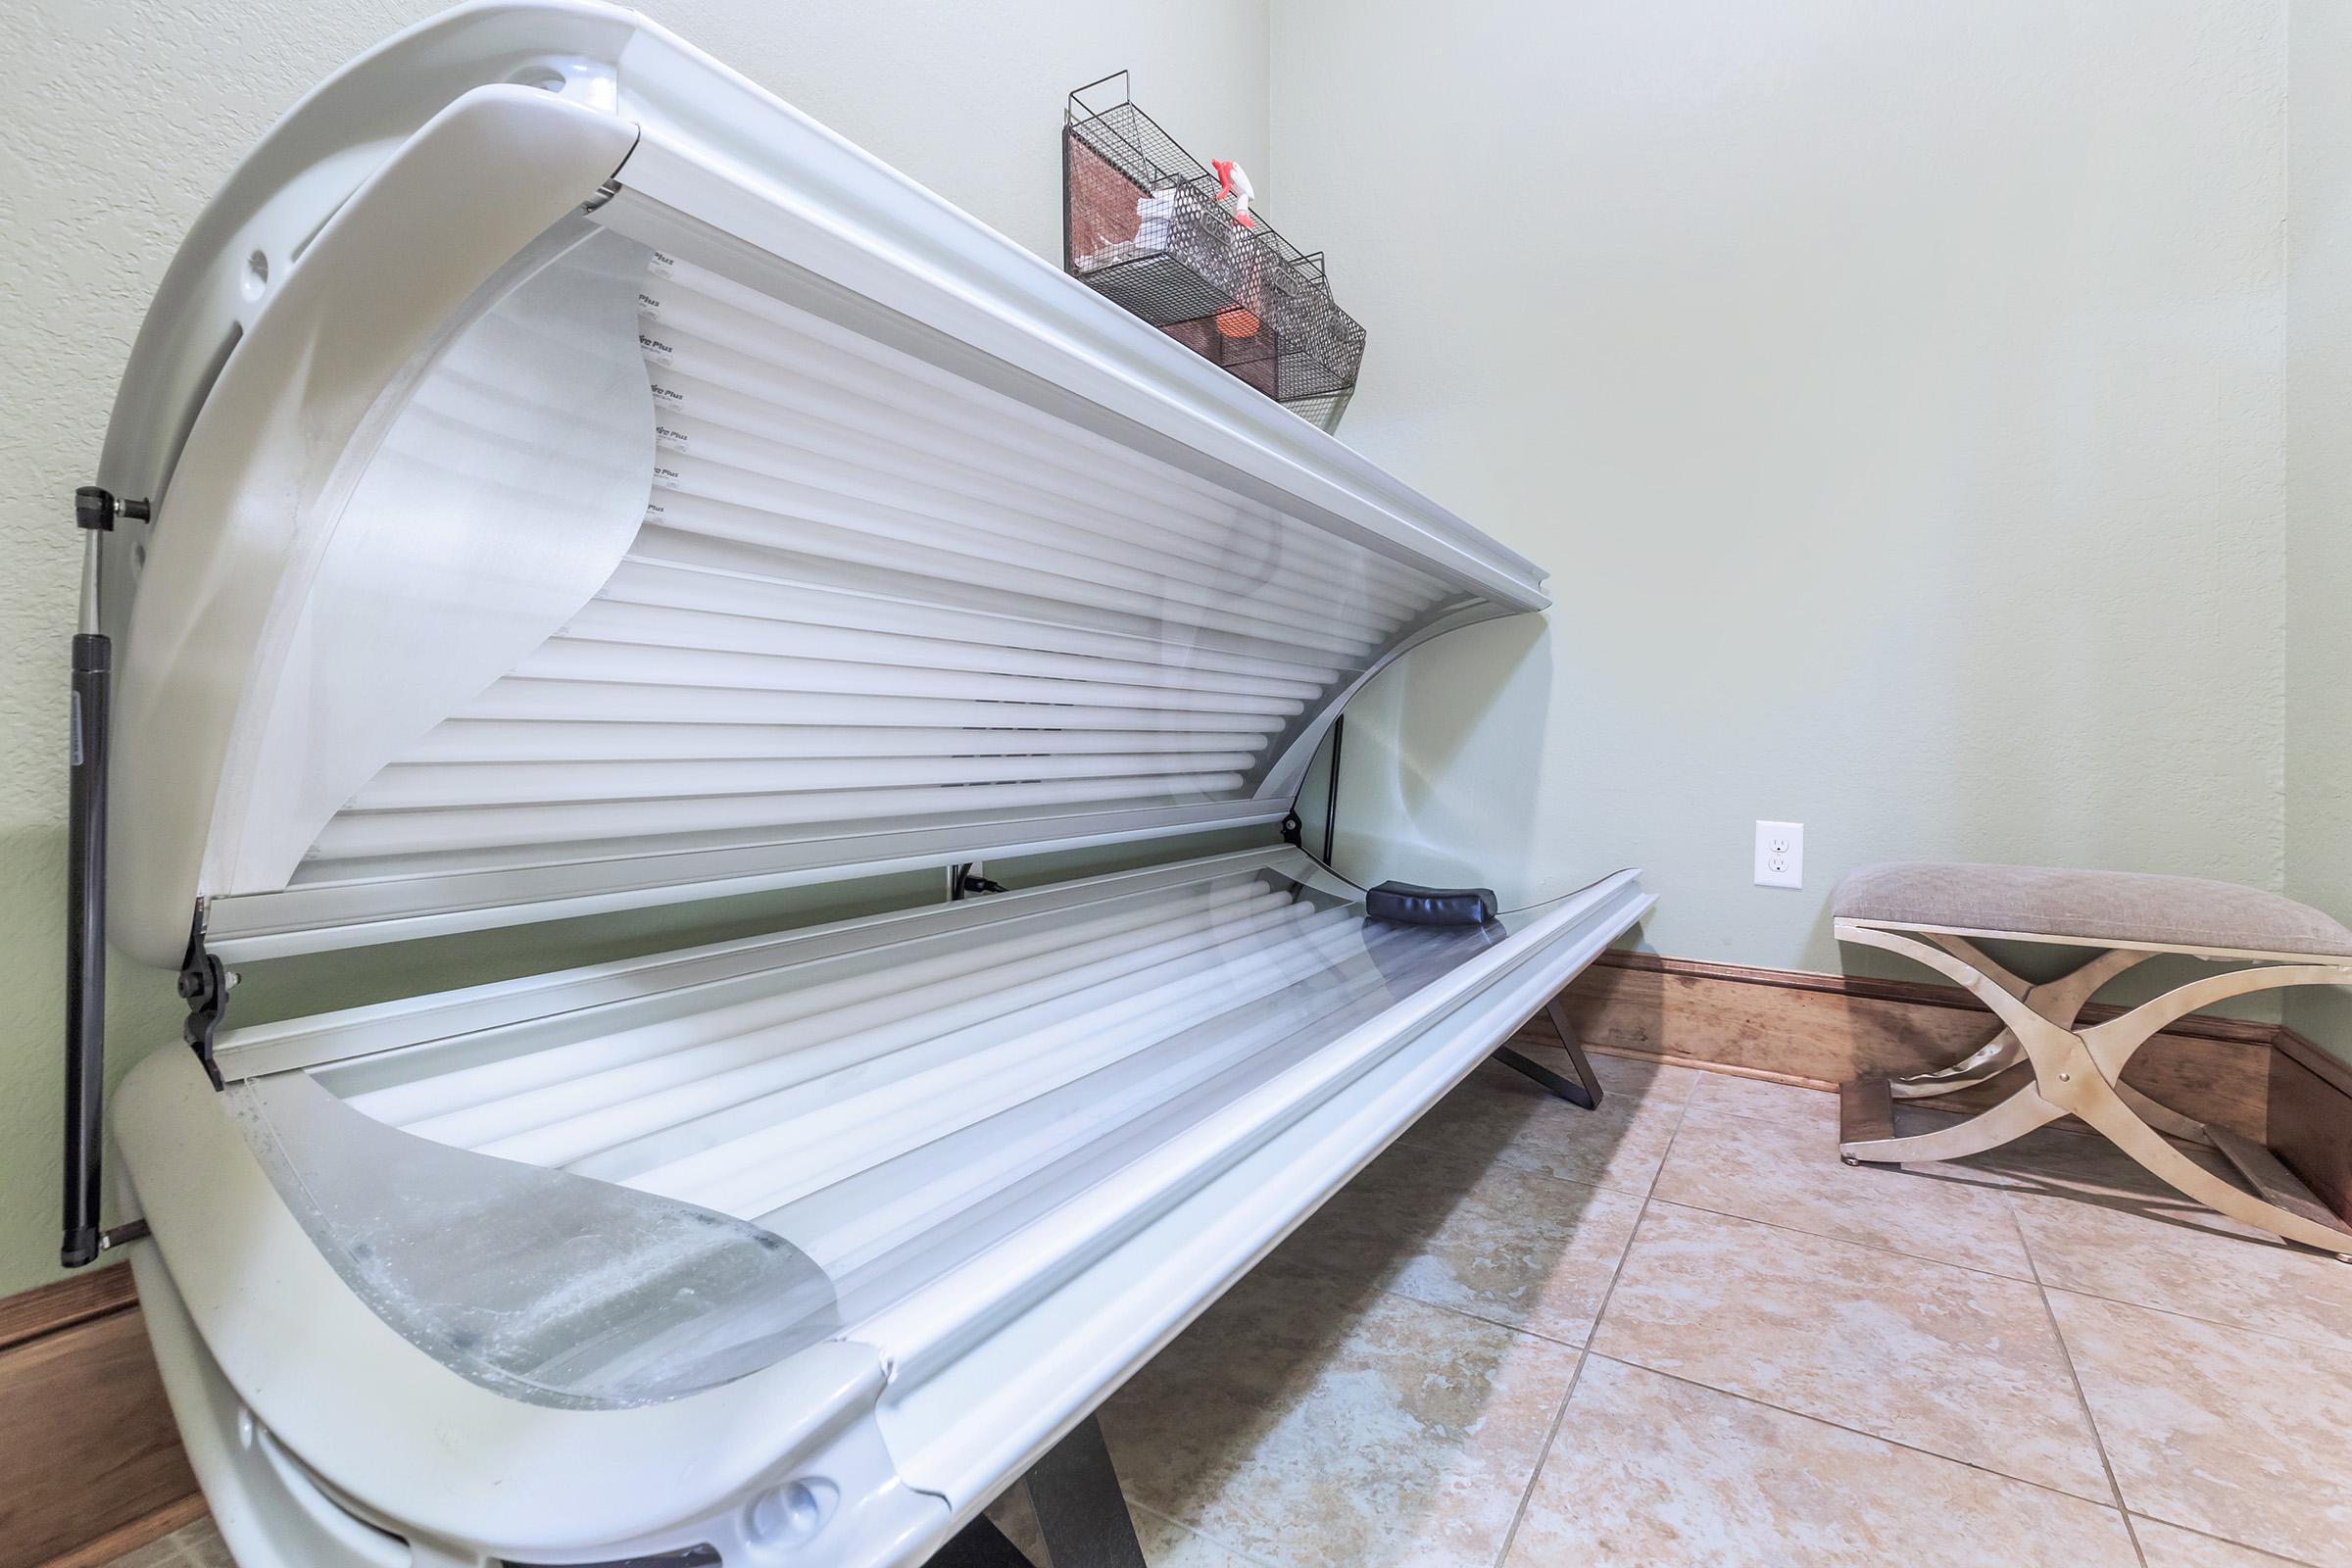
<point>1144,224</point>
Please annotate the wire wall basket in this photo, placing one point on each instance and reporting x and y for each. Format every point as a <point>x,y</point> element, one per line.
<point>1154,229</point>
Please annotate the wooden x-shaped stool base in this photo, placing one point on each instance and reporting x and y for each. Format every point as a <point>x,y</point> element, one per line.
<point>2079,1072</point>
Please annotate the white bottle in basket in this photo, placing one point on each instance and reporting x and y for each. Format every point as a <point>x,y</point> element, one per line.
<point>1152,215</point>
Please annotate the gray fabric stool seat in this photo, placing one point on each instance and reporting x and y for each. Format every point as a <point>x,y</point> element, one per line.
<point>2116,909</point>
<point>1936,912</point>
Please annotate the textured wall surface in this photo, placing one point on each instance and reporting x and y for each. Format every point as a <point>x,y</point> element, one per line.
<point>2319,489</point>
<point>126,115</point>
<point>1894,391</point>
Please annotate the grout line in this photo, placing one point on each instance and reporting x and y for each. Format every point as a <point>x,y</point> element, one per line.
<point>1559,1417</point>
<point>1468,1317</point>
<point>2207,1534</point>
<point>2332,1347</point>
<point>1839,1426</point>
<point>1848,1241</point>
<point>2082,1399</point>
<point>2192,1317</point>
<point>1225,1547</point>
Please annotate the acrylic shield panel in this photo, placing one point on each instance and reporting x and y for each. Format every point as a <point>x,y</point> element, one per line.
<point>835,1127</point>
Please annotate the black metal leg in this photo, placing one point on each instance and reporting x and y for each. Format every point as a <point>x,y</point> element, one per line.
<point>86,947</point>
<point>979,1544</point>
<point>1080,1511</point>
<point>1585,1091</point>
<point>1575,1048</point>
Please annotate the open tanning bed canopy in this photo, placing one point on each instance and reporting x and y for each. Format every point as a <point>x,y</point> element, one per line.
<point>580,483</point>
<point>581,480</point>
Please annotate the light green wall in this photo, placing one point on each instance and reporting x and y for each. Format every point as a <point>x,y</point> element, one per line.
<point>2319,479</point>
<point>125,115</point>
<point>1893,391</point>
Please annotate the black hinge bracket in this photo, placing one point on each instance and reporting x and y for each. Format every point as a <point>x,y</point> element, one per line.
<point>204,987</point>
<point>97,508</point>
<point>966,882</point>
<point>1293,829</point>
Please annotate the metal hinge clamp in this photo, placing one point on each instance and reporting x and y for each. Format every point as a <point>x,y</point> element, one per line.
<point>99,510</point>
<point>204,986</point>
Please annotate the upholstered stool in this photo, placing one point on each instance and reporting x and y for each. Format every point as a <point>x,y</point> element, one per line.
<point>1936,913</point>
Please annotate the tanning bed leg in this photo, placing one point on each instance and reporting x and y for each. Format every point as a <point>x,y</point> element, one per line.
<point>1080,1510</point>
<point>1586,1090</point>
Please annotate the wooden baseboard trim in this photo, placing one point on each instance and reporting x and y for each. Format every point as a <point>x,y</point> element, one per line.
<point>1912,993</point>
<point>1822,1030</point>
<point>51,1309</point>
<point>2322,1063</point>
<point>1667,1058</point>
<point>92,1461</point>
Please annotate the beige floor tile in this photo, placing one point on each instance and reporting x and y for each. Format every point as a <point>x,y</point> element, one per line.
<point>1960,1363</point>
<point>2164,1546</point>
<point>1788,1174</point>
<point>1304,1421</point>
<point>1623,1075</point>
<point>2239,1434</point>
<point>1814,1110</point>
<point>1169,1545</point>
<point>1514,1247</point>
<point>2095,1222</point>
<point>1497,1115</point>
<point>1647,1470</point>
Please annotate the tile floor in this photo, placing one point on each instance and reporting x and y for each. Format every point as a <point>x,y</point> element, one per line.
<point>1680,1330</point>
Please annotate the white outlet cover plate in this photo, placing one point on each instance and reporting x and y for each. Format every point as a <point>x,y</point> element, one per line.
<point>1780,854</point>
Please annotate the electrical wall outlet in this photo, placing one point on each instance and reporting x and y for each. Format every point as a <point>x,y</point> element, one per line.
<point>1780,854</point>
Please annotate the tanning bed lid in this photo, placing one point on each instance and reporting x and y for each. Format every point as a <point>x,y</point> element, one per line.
<point>581,481</point>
